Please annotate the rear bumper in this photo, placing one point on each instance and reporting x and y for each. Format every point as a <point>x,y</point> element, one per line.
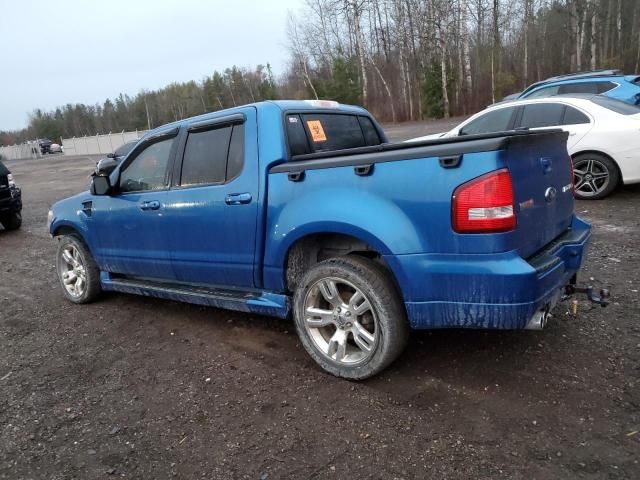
<point>495,291</point>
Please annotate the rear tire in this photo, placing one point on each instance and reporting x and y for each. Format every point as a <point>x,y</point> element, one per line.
<point>350,317</point>
<point>78,273</point>
<point>595,176</point>
<point>11,221</point>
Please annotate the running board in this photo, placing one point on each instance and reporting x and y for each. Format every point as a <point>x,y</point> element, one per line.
<point>263,303</point>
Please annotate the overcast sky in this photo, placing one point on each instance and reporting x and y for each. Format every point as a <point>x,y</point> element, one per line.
<point>73,51</point>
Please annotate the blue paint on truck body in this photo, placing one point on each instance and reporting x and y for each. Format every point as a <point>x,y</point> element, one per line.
<point>227,244</point>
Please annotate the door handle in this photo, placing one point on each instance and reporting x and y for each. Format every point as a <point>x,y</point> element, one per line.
<point>150,205</point>
<point>238,198</point>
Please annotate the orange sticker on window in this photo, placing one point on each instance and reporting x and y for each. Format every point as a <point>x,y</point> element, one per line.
<point>317,132</point>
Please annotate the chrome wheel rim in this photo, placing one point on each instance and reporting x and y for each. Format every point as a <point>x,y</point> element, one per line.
<point>591,177</point>
<point>72,271</point>
<point>341,321</point>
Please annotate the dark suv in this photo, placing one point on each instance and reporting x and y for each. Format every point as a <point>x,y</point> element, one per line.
<point>45,145</point>
<point>10,200</point>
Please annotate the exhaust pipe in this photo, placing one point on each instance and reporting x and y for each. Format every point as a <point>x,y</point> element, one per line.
<point>539,319</point>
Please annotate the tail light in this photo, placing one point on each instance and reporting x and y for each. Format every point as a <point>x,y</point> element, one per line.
<point>485,204</point>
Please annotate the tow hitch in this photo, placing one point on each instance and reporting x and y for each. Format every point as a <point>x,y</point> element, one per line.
<point>602,299</point>
<point>541,317</point>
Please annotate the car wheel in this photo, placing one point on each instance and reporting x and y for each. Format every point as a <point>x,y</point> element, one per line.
<point>350,317</point>
<point>77,271</point>
<point>12,221</point>
<point>595,176</point>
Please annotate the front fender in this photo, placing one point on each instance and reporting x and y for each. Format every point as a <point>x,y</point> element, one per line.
<point>68,214</point>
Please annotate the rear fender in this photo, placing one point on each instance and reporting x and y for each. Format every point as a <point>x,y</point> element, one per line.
<point>371,219</point>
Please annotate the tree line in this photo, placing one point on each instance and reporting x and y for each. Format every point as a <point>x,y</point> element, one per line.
<point>402,59</point>
<point>416,59</point>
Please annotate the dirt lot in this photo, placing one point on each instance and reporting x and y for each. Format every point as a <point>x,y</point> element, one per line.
<point>140,388</point>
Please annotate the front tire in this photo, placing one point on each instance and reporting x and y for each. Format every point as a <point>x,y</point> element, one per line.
<point>350,317</point>
<point>595,176</point>
<point>12,221</point>
<point>78,273</point>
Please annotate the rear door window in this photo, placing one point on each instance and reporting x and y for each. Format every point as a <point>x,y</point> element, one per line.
<point>542,115</point>
<point>235,161</point>
<point>205,157</point>
<point>495,121</point>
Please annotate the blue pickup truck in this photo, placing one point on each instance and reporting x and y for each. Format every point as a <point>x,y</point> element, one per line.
<point>304,209</point>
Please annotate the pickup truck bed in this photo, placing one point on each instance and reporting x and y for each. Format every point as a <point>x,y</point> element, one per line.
<point>446,279</point>
<point>319,217</point>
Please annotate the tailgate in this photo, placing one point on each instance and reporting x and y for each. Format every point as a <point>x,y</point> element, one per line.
<point>543,187</point>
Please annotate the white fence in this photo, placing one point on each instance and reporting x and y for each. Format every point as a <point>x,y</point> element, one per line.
<point>94,145</point>
<point>99,144</point>
<point>15,152</point>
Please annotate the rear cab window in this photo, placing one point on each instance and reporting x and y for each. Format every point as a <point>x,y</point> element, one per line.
<point>310,132</point>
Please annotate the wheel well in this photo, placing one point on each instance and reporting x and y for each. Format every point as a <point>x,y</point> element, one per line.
<point>604,155</point>
<point>66,230</point>
<point>313,249</point>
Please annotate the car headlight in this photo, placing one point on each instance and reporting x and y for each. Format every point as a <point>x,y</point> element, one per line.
<point>12,182</point>
<point>49,219</point>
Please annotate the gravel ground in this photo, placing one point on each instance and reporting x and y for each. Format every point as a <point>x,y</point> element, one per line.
<point>134,387</point>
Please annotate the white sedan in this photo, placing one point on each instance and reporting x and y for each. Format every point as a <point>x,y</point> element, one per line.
<point>604,135</point>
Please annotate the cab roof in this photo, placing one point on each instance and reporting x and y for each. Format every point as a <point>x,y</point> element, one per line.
<point>283,105</point>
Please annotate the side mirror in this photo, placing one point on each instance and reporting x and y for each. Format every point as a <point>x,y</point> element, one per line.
<point>111,155</point>
<point>100,185</point>
<point>106,166</point>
